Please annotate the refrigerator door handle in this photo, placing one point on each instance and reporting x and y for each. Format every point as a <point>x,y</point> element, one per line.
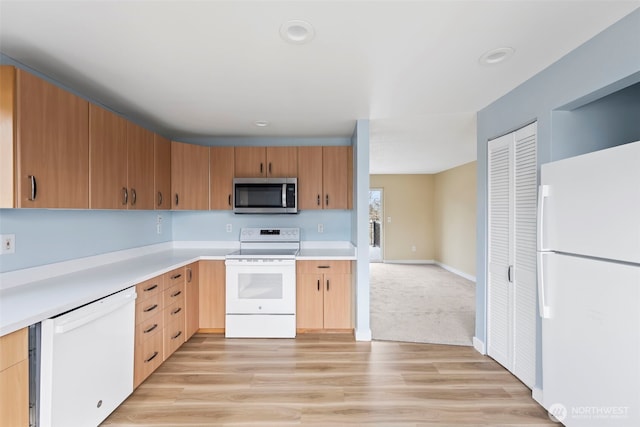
<point>543,193</point>
<point>545,310</point>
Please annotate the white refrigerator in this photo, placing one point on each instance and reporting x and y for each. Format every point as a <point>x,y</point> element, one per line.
<point>589,287</point>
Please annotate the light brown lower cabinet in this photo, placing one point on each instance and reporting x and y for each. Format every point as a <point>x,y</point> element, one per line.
<point>174,311</point>
<point>14,379</point>
<point>323,295</point>
<point>212,296</point>
<point>192,291</point>
<point>148,351</point>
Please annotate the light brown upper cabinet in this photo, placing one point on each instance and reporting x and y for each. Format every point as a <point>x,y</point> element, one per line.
<point>51,144</point>
<point>265,162</point>
<point>162,172</point>
<point>325,177</point>
<point>7,136</point>
<point>189,176</point>
<point>120,162</point>
<point>222,170</point>
<point>140,143</point>
<point>107,160</point>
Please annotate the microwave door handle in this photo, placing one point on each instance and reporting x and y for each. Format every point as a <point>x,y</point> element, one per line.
<point>284,195</point>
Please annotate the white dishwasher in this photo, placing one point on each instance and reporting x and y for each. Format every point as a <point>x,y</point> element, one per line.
<point>86,366</point>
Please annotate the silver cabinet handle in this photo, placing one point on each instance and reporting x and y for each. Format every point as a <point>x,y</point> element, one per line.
<point>318,201</point>
<point>34,188</point>
<point>133,197</point>
<point>159,198</point>
<point>326,200</point>
<point>125,196</point>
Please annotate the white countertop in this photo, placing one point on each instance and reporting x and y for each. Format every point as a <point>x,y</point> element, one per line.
<point>32,295</point>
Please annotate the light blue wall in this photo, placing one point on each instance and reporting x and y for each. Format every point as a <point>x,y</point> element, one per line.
<point>360,228</point>
<point>48,236</point>
<point>605,64</point>
<point>211,225</point>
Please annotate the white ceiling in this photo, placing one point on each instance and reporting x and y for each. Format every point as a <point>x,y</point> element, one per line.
<point>212,68</point>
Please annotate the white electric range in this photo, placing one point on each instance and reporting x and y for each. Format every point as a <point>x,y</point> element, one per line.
<point>261,284</point>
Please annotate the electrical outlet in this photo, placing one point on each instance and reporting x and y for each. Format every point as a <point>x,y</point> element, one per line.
<point>159,224</point>
<point>229,228</point>
<point>389,219</point>
<point>320,228</point>
<point>8,244</point>
<point>413,248</point>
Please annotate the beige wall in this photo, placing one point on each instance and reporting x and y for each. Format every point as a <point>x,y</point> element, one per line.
<point>455,218</point>
<point>434,213</point>
<point>408,200</point>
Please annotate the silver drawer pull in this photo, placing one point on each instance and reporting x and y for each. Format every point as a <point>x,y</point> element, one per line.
<point>176,294</point>
<point>176,311</point>
<point>155,353</point>
<point>150,288</point>
<point>151,308</point>
<point>176,335</point>
<point>34,188</point>
<point>146,331</point>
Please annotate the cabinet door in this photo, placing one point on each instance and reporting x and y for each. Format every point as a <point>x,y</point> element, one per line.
<point>189,176</point>
<point>334,177</point>
<point>337,301</point>
<point>309,178</point>
<point>250,162</point>
<point>14,379</point>
<point>108,159</point>
<point>140,167</point>
<point>192,290</point>
<point>7,135</point>
<point>53,146</point>
<point>222,170</point>
<point>162,172</point>
<point>282,162</point>
<point>309,301</point>
<point>212,295</point>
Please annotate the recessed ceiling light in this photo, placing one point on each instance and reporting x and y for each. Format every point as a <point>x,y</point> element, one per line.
<point>261,123</point>
<point>496,56</point>
<point>297,32</point>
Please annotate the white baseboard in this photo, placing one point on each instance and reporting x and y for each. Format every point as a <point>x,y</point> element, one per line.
<point>409,261</point>
<point>479,346</point>
<point>363,335</point>
<point>537,395</point>
<point>456,271</point>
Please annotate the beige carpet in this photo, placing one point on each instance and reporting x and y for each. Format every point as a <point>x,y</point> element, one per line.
<point>421,303</point>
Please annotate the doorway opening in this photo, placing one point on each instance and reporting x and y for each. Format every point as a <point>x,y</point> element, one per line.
<point>375,225</point>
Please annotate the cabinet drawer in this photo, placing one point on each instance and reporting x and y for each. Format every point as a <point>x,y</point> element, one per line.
<point>319,266</point>
<point>148,356</point>
<point>174,294</point>
<point>174,311</point>
<point>149,327</point>
<point>174,333</point>
<point>13,348</point>
<point>149,288</point>
<point>174,277</point>
<point>148,308</point>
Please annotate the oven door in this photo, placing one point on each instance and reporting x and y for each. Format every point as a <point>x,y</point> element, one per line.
<point>260,286</point>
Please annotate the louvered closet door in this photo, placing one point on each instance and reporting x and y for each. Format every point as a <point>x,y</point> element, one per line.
<point>524,255</point>
<point>499,307</point>
<point>511,289</point>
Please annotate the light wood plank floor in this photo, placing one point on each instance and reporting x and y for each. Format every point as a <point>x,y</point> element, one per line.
<point>327,380</point>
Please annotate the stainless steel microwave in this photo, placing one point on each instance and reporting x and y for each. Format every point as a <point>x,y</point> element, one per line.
<point>265,195</point>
